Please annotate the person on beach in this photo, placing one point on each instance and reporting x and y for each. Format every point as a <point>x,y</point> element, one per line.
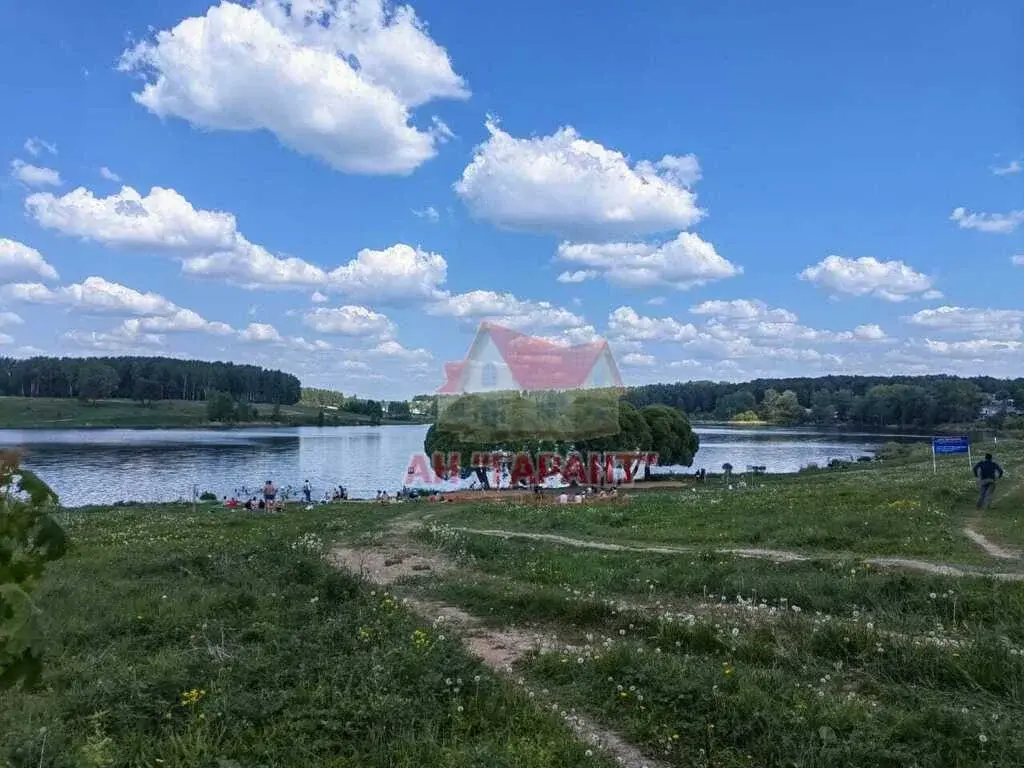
<point>307,490</point>
<point>987,472</point>
<point>269,494</point>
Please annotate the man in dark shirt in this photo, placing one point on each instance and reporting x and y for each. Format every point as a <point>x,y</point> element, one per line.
<point>987,472</point>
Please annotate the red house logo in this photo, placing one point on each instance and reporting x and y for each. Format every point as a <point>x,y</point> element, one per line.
<point>500,359</point>
<point>513,386</point>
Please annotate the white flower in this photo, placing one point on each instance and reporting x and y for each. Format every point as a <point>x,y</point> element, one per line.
<point>982,738</point>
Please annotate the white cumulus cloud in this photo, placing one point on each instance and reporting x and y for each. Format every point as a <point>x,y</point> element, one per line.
<point>260,332</point>
<point>94,294</point>
<point>505,309</point>
<point>34,175</point>
<point>569,186</point>
<point>867,276</point>
<point>682,263</point>
<point>400,271</point>
<point>973,349</point>
<point>336,80</point>
<point>19,260</point>
<point>625,324</point>
<point>350,320</point>
<point>995,223</point>
<point>120,340</point>
<point>578,276</point>
<point>743,309</point>
<point>147,312</point>
<point>985,323</point>
<point>161,220</point>
<point>392,349</point>
<point>870,332</point>
<point>210,245</point>
<point>637,359</point>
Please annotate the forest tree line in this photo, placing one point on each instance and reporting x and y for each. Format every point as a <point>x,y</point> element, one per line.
<point>879,401</point>
<point>145,379</point>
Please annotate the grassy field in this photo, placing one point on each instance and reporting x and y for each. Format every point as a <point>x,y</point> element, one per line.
<point>897,508</point>
<point>68,413</point>
<point>228,640</point>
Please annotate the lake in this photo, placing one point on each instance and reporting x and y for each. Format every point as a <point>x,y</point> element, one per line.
<point>101,466</point>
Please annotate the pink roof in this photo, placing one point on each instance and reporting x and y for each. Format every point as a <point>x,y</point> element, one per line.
<point>535,363</point>
<point>452,372</point>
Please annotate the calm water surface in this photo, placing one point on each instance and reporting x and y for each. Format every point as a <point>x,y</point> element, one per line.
<point>108,465</point>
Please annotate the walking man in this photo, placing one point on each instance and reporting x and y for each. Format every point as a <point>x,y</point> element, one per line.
<point>987,472</point>
<point>307,490</point>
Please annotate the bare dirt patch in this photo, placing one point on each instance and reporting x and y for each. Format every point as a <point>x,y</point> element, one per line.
<point>498,649</point>
<point>385,565</point>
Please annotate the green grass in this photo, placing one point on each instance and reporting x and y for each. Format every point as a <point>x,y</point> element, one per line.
<point>1004,520</point>
<point>917,678</point>
<point>897,509</point>
<point>226,640</point>
<point>783,696</point>
<point>560,576</point>
<point>69,413</point>
<point>699,658</point>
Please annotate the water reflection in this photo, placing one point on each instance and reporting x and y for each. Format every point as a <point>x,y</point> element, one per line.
<point>103,466</point>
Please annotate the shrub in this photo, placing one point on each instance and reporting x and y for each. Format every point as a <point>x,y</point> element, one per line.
<point>29,538</point>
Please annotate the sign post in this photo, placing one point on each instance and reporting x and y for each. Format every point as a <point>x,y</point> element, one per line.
<point>946,445</point>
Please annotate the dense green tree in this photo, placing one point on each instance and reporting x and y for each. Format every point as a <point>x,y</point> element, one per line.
<point>729,405</point>
<point>672,438</point>
<point>822,409</point>
<point>147,390</point>
<point>180,379</point>
<point>314,397</point>
<point>842,401</point>
<point>398,409</point>
<point>782,408</point>
<point>220,406</point>
<point>95,381</point>
<point>947,399</point>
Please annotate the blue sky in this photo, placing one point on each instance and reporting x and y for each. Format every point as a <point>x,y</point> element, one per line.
<point>345,189</point>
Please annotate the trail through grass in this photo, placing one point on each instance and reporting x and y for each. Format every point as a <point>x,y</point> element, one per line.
<point>225,640</point>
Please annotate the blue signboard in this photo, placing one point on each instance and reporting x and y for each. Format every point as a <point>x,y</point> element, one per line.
<point>951,445</point>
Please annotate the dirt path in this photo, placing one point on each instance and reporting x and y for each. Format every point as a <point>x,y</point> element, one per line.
<point>940,569</point>
<point>498,649</point>
<point>1007,490</point>
<point>993,549</point>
